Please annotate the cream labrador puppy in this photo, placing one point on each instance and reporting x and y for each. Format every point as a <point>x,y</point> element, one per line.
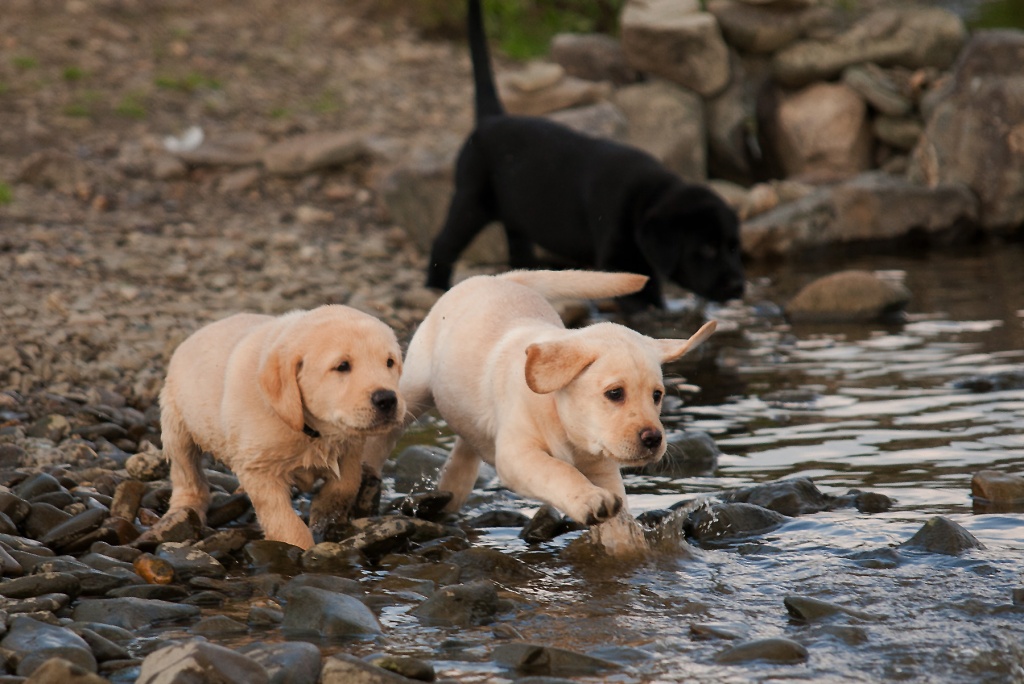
<point>281,401</point>
<point>556,411</point>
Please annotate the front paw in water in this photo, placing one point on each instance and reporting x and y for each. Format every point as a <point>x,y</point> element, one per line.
<point>331,529</point>
<point>594,506</point>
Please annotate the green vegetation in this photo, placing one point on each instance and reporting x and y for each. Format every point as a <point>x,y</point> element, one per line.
<point>73,73</point>
<point>132,106</point>
<point>327,102</point>
<point>999,14</point>
<point>188,83</point>
<point>25,62</point>
<point>522,29</point>
<point>83,105</point>
<point>6,193</point>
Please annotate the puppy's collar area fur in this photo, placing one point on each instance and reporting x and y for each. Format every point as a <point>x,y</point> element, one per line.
<point>310,432</point>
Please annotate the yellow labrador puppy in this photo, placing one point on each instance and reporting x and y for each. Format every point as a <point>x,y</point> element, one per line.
<point>281,401</point>
<point>556,411</point>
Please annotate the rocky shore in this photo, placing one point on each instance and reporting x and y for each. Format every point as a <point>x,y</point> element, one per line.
<point>325,131</point>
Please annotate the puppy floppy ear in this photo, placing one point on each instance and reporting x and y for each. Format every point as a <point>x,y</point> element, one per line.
<point>671,350</point>
<point>550,366</point>
<point>279,380</point>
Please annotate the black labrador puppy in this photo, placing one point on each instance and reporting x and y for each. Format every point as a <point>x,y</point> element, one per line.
<point>590,201</point>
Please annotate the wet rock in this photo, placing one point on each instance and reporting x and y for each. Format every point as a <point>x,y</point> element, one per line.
<point>811,609</point>
<point>547,660</point>
<point>181,525</point>
<point>732,631</point>
<point>159,592</point>
<point>290,662</point>
<point>676,41</point>
<point>148,466</point>
<point>848,296</point>
<point>265,614</point>
<point>219,625</point>
<point>592,57</point>
<point>908,37</point>
<point>942,535</point>
<point>228,509</point>
<point>53,427</point>
<point>870,502</point>
<point>224,543</point>
<point>127,499</point>
<point>342,668</point>
<point>822,133</point>
<point>499,518</point>
<point>63,671</point>
<point>189,562</point>
<point>406,666</point>
<point>265,555</point>
<point>979,114</point>
<point>37,485</point>
<point>992,487</point>
<point>993,382</point>
<point>417,467</point>
<point>16,508</point>
<point>688,453</point>
<point>332,583</point>
<point>330,557</point>
<point>44,603</point>
<point>878,559</point>
<point>376,537</point>
<point>103,649</point>
<point>793,497</point>
<point>546,524</point>
<point>667,122</point>
<point>39,584</point>
<point>424,505</point>
<point>73,530</point>
<point>460,605</point>
<point>899,132</point>
<point>312,151</point>
<point>491,564</point>
<point>319,612</point>
<point>36,642</point>
<point>618,537</point>
<point>132,613</point>
<point>153,569</point>
<point>440,574</point>
<point>775,650</point>
<point>200,661</point>
<point>731,520</point>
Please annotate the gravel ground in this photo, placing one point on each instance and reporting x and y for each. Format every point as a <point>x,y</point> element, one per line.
<point>113,252</point>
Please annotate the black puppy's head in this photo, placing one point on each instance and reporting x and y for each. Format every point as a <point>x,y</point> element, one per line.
<point>692,237</point>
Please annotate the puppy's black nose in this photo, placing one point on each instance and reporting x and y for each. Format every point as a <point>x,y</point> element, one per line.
<point>384,400</point>
<point>650,438</point>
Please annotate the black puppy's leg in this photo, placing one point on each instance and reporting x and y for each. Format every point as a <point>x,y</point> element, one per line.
<point>470,211</point>
<point>520,250</point>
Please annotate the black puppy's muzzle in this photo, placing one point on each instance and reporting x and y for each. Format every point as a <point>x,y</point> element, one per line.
<point>385,401</point>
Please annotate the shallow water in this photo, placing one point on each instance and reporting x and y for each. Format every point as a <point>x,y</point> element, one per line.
<point>870,407</point>
<point>867,407</point>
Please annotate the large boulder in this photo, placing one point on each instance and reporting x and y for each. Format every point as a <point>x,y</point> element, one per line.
<point>975,132</point>
<point>674,39</point>
<point>912,37</point>
<point>592,57</point>
<point>822,133</point>
<point>763,28</point>
<point>872,207</point>
<point>668,122</point>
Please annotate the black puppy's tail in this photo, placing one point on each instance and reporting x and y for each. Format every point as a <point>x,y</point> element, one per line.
<point>486,94</point>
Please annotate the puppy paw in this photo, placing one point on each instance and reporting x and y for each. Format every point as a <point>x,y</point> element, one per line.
<point>594,506</point>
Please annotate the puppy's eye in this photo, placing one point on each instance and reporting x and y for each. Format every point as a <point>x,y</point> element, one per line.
<point>391,363</point>
<point>658,394</point>
<point>615,394</point>
<point>343,367</point>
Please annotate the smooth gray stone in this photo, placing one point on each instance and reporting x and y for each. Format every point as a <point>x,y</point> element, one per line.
<point>132,613</point>
<point>327,614</point>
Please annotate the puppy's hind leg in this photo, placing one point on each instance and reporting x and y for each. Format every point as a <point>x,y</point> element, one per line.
<point>459,474</point>
<point>189,486</point>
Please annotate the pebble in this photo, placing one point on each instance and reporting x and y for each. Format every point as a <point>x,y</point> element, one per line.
<point>537,659</point>
<point>460,605</point>
<point>209,662</point>
<point>318,612</point>
<point>773,650</point>
<point>942,535</point>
